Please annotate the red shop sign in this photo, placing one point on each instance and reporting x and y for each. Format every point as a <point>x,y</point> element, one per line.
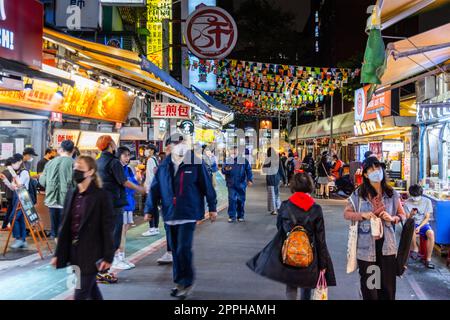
<point>21,27</point>
<point>211,33</point>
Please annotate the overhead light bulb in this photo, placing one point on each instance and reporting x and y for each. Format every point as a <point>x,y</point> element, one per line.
<point>59,93</point>
<point>130,92</point>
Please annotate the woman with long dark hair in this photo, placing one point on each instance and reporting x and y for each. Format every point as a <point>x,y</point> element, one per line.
<point>274,174</point>
<point>377,208</point>
<point>86,235</point>
<point>324,176</point>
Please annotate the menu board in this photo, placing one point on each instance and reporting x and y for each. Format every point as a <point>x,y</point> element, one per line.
<point>27,205</point>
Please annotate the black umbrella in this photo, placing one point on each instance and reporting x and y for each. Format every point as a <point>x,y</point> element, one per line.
<point>404,246</point>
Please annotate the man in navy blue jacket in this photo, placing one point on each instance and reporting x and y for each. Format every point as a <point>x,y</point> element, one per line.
<point>238,175</point>
<point>181,183</point>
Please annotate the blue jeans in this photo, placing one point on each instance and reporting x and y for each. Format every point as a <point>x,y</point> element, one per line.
<point>181,238</point>
<point>236,203</point>
<point>19,230</point>
<point>55,219</point>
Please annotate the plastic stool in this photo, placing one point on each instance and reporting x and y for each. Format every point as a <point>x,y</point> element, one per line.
<point>423,248</point>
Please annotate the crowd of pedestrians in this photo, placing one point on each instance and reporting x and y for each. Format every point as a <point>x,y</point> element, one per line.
<point>92,205</point>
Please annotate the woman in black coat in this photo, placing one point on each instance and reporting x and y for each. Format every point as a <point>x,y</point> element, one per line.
<point>308,214</point>
<point>86,236</point>
<point>274,174</point>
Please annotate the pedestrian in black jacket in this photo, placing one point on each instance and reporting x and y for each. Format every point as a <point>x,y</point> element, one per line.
<point>86,236</point>
<point>274,172</point>
<point>308,214</point>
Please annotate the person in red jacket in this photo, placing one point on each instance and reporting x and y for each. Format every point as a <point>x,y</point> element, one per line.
<point>337,165</point>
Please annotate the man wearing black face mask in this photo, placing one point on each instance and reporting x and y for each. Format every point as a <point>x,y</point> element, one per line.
<point>57,180</point>
<point>114,181</point>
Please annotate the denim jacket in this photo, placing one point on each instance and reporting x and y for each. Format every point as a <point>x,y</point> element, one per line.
<point>366,242</point>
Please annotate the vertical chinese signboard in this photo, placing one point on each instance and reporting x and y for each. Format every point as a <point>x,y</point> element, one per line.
<point>21,27</point>
<point>170,111</point>
<point>157,10</point>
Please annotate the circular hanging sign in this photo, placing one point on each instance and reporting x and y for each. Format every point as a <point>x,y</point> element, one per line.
<point>187,127</point>
<point>360,104</point>
<point>210,33</point>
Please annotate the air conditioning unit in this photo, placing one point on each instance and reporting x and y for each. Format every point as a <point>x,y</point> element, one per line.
<point>443,81</point>
<point>425,89</point>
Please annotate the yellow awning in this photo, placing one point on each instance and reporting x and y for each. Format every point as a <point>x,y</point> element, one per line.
<point>116,61</point>
<point>405,67</point>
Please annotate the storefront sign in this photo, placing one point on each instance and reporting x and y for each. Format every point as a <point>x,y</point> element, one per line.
<point>157,11</point>
<point>78,14</point>
<point>211,33</point>
<point>187,127</point>
<point>21,25</point>
<point>87,99</point>
<point>170,110</point>
<point>393,146</point>
<point>202,73</point>
<point>88,139</point>
<point>56,117</point>
<point>380,104</point>
<point>365,127</point>
<point>59,135</point>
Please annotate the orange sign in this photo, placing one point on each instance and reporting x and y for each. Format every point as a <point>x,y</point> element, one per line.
<point>380,103</point>
<point>87,99</point>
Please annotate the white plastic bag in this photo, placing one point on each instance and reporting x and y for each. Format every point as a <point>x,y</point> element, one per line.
<point>321,291</point>
<point>352,263</point>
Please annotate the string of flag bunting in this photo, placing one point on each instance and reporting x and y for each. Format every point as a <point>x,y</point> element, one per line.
<point>264,89</point>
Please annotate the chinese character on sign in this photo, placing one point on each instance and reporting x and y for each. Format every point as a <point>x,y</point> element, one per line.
<point>171,110</point>
<point>183,111</point>
<point>158,111</point>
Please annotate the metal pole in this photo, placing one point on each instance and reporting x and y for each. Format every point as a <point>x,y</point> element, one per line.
<point>342,101</point>
<point>296,128</point>
<point>331,126</point>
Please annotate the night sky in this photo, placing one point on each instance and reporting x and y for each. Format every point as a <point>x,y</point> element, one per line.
<point>301,9</point>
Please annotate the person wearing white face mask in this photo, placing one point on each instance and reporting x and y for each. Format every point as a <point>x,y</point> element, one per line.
<point>376,204</point>
<point>28,154</point>
<point>150,171</point>
<point>20,177</point>
<point>181,184</point>
<point>420,209</point>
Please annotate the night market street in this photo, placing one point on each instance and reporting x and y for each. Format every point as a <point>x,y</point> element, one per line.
<point>220,252</point>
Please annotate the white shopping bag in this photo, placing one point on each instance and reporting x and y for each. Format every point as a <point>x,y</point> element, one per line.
<point>321,291</point>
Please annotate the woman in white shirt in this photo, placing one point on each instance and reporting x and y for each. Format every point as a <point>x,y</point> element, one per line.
<point>21,178</point>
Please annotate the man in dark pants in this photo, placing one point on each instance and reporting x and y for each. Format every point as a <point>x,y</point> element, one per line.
<point>114,181</point>
<point>238,175</point>
<point>182,182</point>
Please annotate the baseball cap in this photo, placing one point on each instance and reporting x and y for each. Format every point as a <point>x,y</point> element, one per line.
<point>372,161</point>
<point>29,151</point>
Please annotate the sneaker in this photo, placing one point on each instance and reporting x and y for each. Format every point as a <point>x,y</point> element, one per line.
<point>274,213</point>
<point>130,264</point>
<point>165,259</point>
<point>182,293</point>
<point>175,290</point>
<point>24,245</point>
<point>231,220</point>
<point>106,278</point>
<point>241,220</point>
<point>17,244</point>
<point>429,265</point>
<point>151,232</point>
<point>414,255</point>
<point>120,264</point>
